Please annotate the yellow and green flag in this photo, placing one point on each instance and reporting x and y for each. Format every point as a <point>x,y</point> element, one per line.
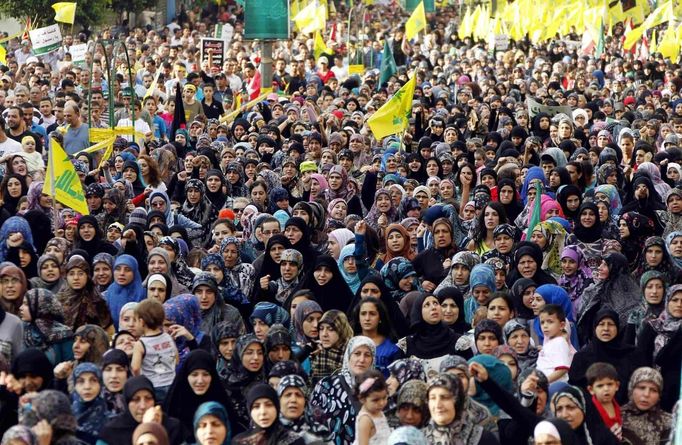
<point>65,186</point>
<point>393,117</point>
<point>320,47</point>
<point>416,22</point>
<point>65,12</point>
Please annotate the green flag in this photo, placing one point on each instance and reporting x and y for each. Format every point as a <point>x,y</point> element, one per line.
<point>600,42</point>
<point>388,66</point>
<point>535,215</point>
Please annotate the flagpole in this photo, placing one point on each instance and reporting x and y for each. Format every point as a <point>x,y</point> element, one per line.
<point>53,189</point>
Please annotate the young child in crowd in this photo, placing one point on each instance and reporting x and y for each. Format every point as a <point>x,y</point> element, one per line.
<point>154,354</point>
<point>371,426</point>
<point>557,353</point>
<point>603,384</point>
<point>34,160</point>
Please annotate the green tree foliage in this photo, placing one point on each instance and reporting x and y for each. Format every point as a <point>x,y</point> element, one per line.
<point>88,12</point>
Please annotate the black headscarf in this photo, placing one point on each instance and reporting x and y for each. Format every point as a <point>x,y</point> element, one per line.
<point>562,198</point>
<point>429,340</point>
<point>460,326</point>
<point>182,401</point>
<point>588,234</point>
<point>624,358</point>
<point>120,429</point>
<point>400,325</point>
<point>514,208</point>
<point>269,266</point>
<point>8,203</point>
<point>96,244</point>
<point>217,198</point>
<point>516,292</point>
<point>304,245</point>
<point>335,294</point>
<point>528,248</point>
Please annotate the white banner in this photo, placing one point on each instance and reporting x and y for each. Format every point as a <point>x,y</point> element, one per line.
<point>536,107</point>
<point>45,40</point>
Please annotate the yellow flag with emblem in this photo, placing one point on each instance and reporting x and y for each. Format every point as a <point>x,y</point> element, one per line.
<point>62,182</point>
<point>3,55</point>
<point>65,12</point>
<point>393,117</point>
<point>416,22</point>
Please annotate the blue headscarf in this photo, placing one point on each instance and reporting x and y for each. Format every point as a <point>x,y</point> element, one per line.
<point>270,313</point>
<point>213,409</point>
<point>481,275</point>
<point>394,271</point>
<point>14,224</point>
<point>353,280</point>
<point>92,415</point>
<point>497,371</point>
<point>532,174</point>
<point>554,294</point>
<point>389,152</point>
<point>184,310</point>
<point>118,295</point>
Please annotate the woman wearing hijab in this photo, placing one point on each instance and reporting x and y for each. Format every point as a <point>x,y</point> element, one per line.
<point>262,403</point>
<point>554,431</point>
<point>81,301</point>
<point>587,234</point>
<point>159,262</point>
<point>672,217</point>
<point>211,424</point>
<point>184,311</point>
<point>606,345</point>
<point>179,267</point>
<point>215,185</point>
<point>138,393</point>
<point>126,288</point>
<point>654,173</point>
<point>482,286</point>
<point>431,337</point>
<point>429,263</point>
<point>656,258</point>
<point>43,326</point>
<point>246,368</point>
<point>576,275</point>
<point>146,429</point>
<point>460,271</point>
<point>196,382</point>
<point>198,208</point>
<point>550,236</point>
<point>298,233</point>
<point>645,201</point>
<point>10,233</point>
<point>91,414</point>
<point>452,302</point>
<point>653,286</point>
<point>570,199</point>
<point>333,403</point>
<point>13,187</point>
<point>527,264</point>
<point>382,213</point>
<point>89,237</point>
<point>340,188</point>
<point>508,197</point>
<point>400,278</point>
<point>115,209</point>
<point>614,288</point>
<point>13,289</point>
<point>635,228</point>
<point>644,420</point>
<point>238,275</point>
<point>448,424</point>
<point>328,285</point>
<point>659,341</point>
<point>158,200</point>
<point>103,270</point>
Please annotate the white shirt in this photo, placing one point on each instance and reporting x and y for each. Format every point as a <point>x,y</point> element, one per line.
<point>140,125</point>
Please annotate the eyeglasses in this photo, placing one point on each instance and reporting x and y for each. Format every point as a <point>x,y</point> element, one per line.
<point>239,210</point>
<point>158,205</point>
<point>10,281</point>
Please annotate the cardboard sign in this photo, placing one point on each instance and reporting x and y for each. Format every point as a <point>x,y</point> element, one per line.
<point>78,54</point>
<point>535,108</point>
<point>45,40</point>
<point>218,47</point>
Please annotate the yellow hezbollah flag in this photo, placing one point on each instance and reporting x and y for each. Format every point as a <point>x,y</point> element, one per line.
<point>65,12</point>
<point>416,22</point>
<point>320,47</point>
<point>65,187</point>
<point>3,55</point>
<point>393,117</point>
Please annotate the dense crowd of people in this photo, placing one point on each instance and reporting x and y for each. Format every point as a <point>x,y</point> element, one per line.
<point>272,273</point>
